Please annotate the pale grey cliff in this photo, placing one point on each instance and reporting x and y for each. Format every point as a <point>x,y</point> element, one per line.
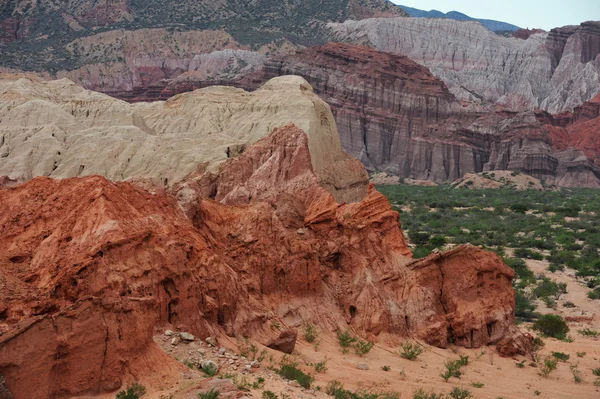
<point>555,71</point>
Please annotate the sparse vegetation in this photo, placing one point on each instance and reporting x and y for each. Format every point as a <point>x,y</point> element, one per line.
<point>410,350</point>
<point>210,369</point>
<point>453,368</point>
<point>310,333</point>
<point>552,325</point>
<point>563,357</point>
<point>588,332</point>
<point>363,347</point>
<point>596,372</point>
<point>421,394</point>
<point>336,389</point>
<point>460,393</point>
<point>212,394</point>
<point>386,368</point>
<point>321,367</point>
<point>289,370</point>
<point>577,377</point>
<point>345,339</point>
<point>478,384</point>
<point>134,391</point>
<point>269,395</point>
<point>549,364</point>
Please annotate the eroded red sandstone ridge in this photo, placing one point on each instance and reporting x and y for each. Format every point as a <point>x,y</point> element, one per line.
<point>89,268</point>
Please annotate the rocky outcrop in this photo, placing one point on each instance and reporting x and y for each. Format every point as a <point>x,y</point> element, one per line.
<point>524,34</point>
<point>60,130</point>
<point>90,268</point>
<point>396,117</point>
<point>555,71</point>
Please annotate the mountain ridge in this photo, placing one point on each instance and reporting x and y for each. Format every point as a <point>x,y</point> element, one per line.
<point>491,24</point>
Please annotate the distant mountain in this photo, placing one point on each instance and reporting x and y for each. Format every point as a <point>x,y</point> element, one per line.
<point>492,25</point>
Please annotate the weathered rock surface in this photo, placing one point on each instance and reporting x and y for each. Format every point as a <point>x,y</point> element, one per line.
<point>499,179</point>
<point>88,268</point>
<point>60,130</point>
<point>286,342</point>
<point>396,117</point>
<point>555,71</point>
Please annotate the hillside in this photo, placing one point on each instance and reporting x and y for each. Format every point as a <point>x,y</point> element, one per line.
<point>493,25</point>
<point>35,34</point>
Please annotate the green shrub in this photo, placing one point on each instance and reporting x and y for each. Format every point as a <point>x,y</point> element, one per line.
<point>418,237</point>
<point>569,304</point>
<point>519,208</point>
<point>210,370</point>
<point>421,252</point>
<point>596,372</point>
<point>134,391</point>
<point>548,288</point>
<point>345,339</point>
<point>421,394</point>
<point>363,347</point>
<point>588,332</point>
<point>576,373</point>
<point>269,395</point>
<point>460,393</point>
<point>452,369</point>
<point>291,372</point>
<point>386,368</point>
<point>563,357</point>
<point>321,367</point>
<point>212,394</point>
<point>552,325</point>
<point>549,364</point>
<point>595,294</point>
<point>524,306</point>
<point>310,333</point>
<point>411,351</point>
<point>437,241</point>
<point>259,383</point>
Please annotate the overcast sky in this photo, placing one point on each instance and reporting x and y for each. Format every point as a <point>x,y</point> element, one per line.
<point>545,14</point>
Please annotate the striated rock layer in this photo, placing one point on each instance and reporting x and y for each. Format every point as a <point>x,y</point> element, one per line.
<point>555,71</point>
<point>395,116</point>
<point>88,268</point>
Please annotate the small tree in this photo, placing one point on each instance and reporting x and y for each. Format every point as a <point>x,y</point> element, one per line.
<point>552,325</point>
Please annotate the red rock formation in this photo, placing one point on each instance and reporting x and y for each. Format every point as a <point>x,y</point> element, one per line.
<point>578,130</point>
<point>89,268</point>
<point>525,33</point>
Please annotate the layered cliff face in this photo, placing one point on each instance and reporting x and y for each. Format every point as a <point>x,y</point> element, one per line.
<point>60,130</point>
<point>555,71</point>
<point>395,116</point>
<point>91,267</point>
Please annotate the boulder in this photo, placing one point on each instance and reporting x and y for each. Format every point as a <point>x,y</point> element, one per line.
<point>286,342</point>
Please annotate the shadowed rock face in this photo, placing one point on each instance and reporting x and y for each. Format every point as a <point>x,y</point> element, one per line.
<point>92,267</point>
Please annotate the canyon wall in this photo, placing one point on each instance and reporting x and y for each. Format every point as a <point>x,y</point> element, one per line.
<point>555,71</point>
<point>395,116</point>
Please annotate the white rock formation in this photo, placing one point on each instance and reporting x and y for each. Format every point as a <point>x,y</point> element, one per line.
<point>548,70</point>
<point>58,129</point>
